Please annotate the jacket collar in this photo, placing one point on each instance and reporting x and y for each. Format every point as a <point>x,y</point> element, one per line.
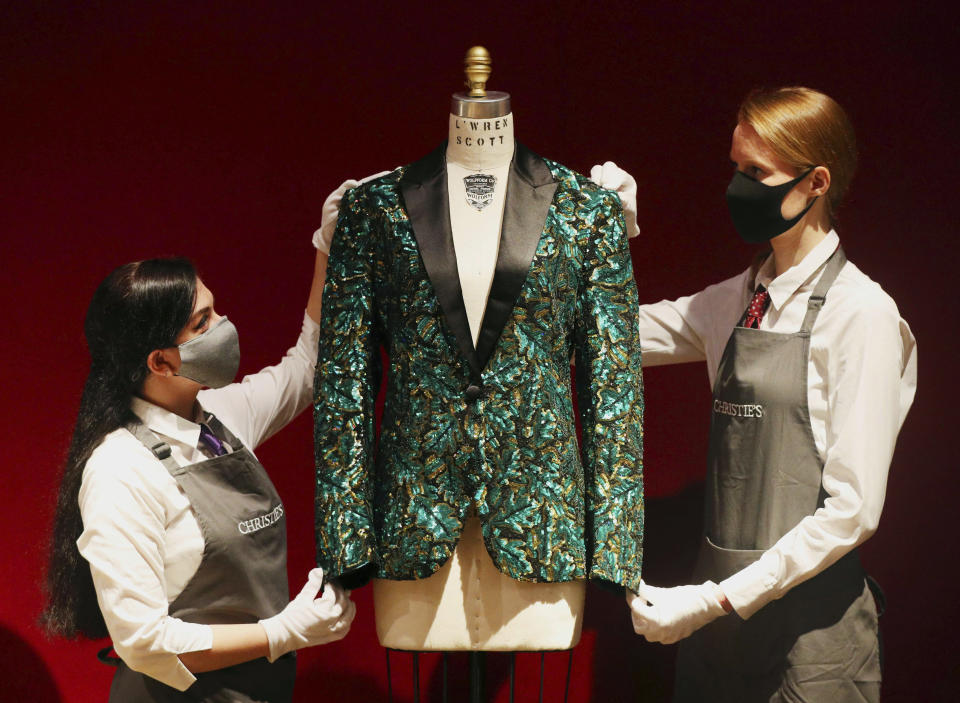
<point>530,190</point>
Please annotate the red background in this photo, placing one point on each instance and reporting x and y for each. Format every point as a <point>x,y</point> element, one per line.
<point>215,130</point>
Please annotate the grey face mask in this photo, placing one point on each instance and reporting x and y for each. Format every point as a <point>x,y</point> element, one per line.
<point>213,358</point>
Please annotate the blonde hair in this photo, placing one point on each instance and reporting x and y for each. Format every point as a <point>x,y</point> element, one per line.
<point>805,128</point>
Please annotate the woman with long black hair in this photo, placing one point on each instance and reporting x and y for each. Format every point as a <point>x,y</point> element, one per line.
<point>169,536</point>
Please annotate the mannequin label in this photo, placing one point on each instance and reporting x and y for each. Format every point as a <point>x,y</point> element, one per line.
<point>481,134</point>
<point>479,189</point>
<point>482,125</point>
<point>490,141</point>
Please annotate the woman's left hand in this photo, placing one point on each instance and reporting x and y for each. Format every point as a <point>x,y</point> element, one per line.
<point>612,177</point>
<point>323,237</point>
<point>668,615</point>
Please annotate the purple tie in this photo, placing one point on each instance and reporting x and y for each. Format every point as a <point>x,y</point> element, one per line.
<point>211,442</point>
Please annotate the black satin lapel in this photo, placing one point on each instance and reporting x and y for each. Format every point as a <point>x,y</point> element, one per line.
<point>530,190</point>
<point>424,191</point>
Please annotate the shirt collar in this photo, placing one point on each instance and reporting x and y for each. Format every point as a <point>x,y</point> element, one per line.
<point>785,286</point>
<point>166,423</point>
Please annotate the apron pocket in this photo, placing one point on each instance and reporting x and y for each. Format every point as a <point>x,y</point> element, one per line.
<point>754,647</point>
<point>717,563</point>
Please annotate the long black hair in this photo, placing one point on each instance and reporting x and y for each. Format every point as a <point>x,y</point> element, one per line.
<point>139,307</point>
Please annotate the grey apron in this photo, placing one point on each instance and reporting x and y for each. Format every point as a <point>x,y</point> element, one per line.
<point>242,576</point>
<point>818,642</point>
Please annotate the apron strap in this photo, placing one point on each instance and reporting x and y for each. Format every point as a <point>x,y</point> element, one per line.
<point>157,446</point>
<point>879,597</point>
<point>819,295</point>
<point>162,451</point>
<point>104,656</point>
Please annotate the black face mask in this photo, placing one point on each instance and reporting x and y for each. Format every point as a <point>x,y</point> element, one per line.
<point>755,207</point>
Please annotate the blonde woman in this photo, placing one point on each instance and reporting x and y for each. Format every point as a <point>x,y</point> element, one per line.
<point>813,371</point>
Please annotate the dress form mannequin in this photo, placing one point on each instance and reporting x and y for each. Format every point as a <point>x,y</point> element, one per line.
<point>468,604</point>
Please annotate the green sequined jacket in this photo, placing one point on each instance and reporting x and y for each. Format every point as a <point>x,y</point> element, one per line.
<point>492,426</point>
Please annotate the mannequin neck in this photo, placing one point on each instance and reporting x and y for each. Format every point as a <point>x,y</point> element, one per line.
<point>480,144</point>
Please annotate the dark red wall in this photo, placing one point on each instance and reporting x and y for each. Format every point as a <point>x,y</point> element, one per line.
<point>216,129</point>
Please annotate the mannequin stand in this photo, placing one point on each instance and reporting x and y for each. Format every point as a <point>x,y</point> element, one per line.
<point>476,675</point>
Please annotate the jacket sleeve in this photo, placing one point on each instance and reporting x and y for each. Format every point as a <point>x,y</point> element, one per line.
<point>610,395</point>
<point>345,390</point>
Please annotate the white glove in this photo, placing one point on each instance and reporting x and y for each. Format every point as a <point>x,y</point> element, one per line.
<point>668,615</point>
<point>308,620</point>
<point>323,237</point>
<point>612,177</point>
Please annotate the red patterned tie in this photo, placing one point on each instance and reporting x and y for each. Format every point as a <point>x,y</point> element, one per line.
<point>758,306</point>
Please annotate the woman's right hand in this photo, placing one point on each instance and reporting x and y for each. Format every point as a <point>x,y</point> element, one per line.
<point>308,620</point>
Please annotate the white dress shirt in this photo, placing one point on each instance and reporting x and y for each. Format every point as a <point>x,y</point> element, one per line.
<point>141,535</point>
<point>862,375</point>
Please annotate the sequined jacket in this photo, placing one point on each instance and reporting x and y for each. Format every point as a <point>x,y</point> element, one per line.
<point>492,426</point>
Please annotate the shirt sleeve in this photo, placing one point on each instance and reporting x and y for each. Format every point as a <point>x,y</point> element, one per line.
<point>262,403</point>
<point>677,331</point>
<point>871,378</point>
<point>123,519</point>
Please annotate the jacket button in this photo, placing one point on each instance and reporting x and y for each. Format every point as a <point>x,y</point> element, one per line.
<point>473,392</point>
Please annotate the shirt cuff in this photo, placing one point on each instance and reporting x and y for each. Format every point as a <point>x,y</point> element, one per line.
<point>309,332</point>
<point>322,238</point>
<point>187,637</point>
<point>306,347</point>
<point>753,587</point>
<point>179,639</point>
<point>176,675</point>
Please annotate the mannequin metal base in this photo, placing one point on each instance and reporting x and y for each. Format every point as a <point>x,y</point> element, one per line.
<point>476,674</point>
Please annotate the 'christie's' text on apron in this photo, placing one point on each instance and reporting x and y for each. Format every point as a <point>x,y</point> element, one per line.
<point>737,409</point>
<point>258,523</point>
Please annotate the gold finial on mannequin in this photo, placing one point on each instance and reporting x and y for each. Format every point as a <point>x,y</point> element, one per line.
<point>477,102</point>
<point>477,67</point>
